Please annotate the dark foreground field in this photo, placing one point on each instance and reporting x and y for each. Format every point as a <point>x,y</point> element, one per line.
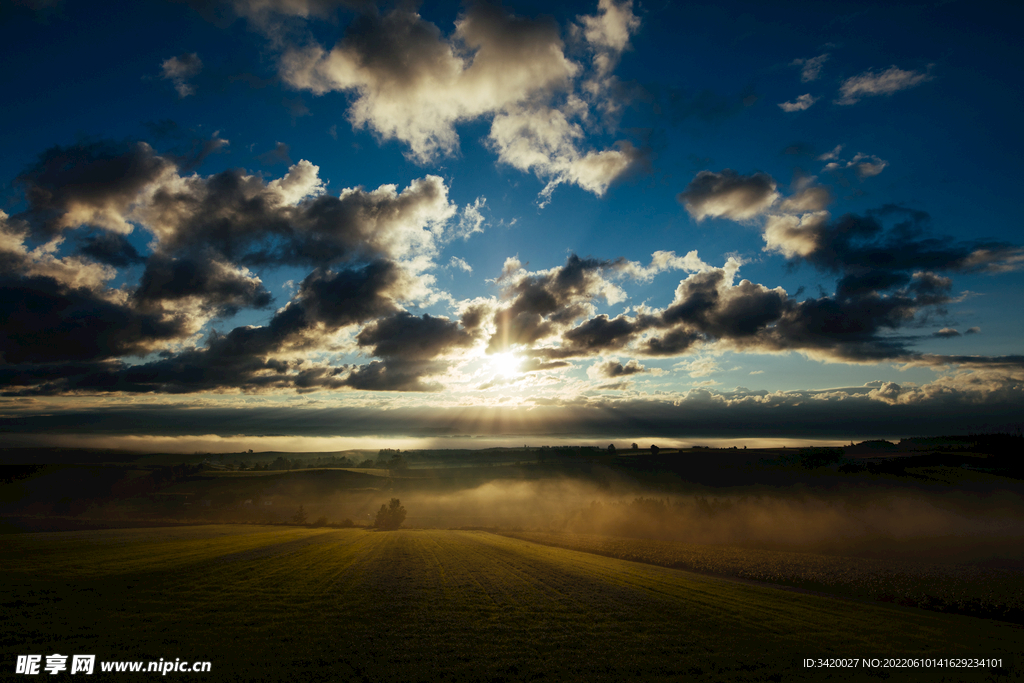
<point>264,603</point>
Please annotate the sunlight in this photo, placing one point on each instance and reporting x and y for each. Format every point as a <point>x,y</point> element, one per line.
<point>505,364</point>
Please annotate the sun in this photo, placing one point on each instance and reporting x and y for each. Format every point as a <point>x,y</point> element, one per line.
<point>505,364</point>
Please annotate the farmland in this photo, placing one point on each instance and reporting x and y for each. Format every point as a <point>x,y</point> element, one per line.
<point>966,589</point>
<point>272,603</point>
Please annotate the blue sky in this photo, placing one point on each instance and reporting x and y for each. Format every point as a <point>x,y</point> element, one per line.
<point>744,221</point>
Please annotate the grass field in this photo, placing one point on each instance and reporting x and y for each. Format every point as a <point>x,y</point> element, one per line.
<point>270,603</point>
<point>963,589</point>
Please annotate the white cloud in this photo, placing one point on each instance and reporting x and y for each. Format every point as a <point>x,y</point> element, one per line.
<point>799,104</point>
<point>662,261</point>
<point>180,69</point>
<point>700,367</point>
<point>811,68</point>
<point>870,84</point>
<point>864,165</point>
<point>413,84</point>
<point>794,236</point>
<point>459,263</point>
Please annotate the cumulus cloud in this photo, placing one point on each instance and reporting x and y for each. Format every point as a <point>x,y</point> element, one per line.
<point>546,302</point>
<point>810,69</point>
<point>864,165</point>
<point>369,250</point>
<point>729,195</point>
<point>93,183</point>
<point>799,104</point>
<point>872,84</point>
<point>663,261</point>
<point>413,84</point>
<point>178,70</point>
<point>614,368</point>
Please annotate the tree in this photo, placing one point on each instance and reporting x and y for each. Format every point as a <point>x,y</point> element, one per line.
<point>390,516</point>
<point>611,448</point>
<point>300,516</point>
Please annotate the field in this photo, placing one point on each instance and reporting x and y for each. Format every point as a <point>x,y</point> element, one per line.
<point>964,589</point>
<point>272,603</point>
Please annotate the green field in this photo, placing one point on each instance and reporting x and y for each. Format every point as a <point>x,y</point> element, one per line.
<point>271,603</point>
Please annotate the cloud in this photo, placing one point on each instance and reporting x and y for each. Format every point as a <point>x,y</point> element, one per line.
<point>871,84</point>
<point>180,69</point>
<point>46,321</point>
<point>460,263</point>
<point>810,68</point>
<point>663,261</point>
<point>93,183</point>
<point>611,28</point>
<point>471,221</point>
<point>546,302</point>
<point>799,104</point>
<point>946,332</point>
<point>973,330</point>
<point>729,195</point>
<point>956,403</point>
<point>700,367</point>
<point>278,155</point>
<point>861,247</point>
<point>213,284</point>
<point>864,165</point>
<point>809,199</point>
<point>545,141</point>
<point>614,368</point>
<point>413,84</point>
<point>404,336</point>
<point>109,248</point>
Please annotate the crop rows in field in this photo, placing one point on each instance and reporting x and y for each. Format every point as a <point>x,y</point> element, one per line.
<point>961,589</point>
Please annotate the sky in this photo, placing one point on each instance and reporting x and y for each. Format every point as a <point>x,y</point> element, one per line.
<point>334,222</point>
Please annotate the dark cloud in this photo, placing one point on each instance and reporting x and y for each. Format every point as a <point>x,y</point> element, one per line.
<point>614,368</point>
<point>278,155</point>
<point>217,285</point>
<point>406,336</point>
<point>541,365</point>
<point>545,301</point>
<point>91,183</point>
<point>256,223</point>
<point>46,321</point>
<point>695,414</point>
<point>599,334</point>
<point>861,248</point>
<point>109,248</point>
<point>396,374</point>
<point>77,327</point>
<point>728,194</point>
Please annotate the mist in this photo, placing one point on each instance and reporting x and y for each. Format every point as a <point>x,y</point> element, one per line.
<point>901,522</point>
